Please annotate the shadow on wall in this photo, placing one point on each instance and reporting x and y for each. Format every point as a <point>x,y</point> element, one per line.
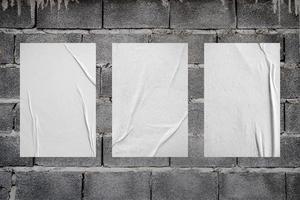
<point>44,3</point>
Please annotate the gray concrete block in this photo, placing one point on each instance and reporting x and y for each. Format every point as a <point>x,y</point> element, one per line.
<point>9,17</point>
<point>108,160</point>
<point>104,43</point>
<point>196,83</point>
<point>288,19</point>
<point>202,14</point>
<point>82,14</point>
<point>293,186</point>
<point>292,50</point>
<point>6,48</point>
<point>252,186</point>
<point>6,117</point>
<point>45,38</point>
<point>281,117</point>
<point>136,14</point>
<point>253,38</point>
<point>104,117</point>
<point>117,185</point>
<point>106,82</point>
<point>289,156</point>
<point>5,184</point>
<point>196,119</point>
<point>256,15</point>
<point>196,157</point>
<point>184,184</point>
<point>289,83</point>
<point>10,152</point>
<point>9,83</point>
<point>195,43</point>
<point>292,116</point>
<point>73,162</point>
<point>48,185</point>
<point>17,118</point>
<point>98,82</point>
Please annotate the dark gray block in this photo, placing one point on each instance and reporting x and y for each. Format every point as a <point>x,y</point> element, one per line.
<point>81,14</point>
<point>252,186</point>
<point>184,184</point>
<point>136,14</point>
<point>117,185</point>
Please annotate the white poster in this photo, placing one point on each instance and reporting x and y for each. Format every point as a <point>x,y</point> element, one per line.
<point>242,100</point>
<point>58,100</point>
<point>150,100</point>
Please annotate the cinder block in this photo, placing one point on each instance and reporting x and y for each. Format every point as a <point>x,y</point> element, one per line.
<point>289,156</point>
<point>257,15</point>
<point>104,43</point>
<point>9,82</point>
<point>292,50</point>
<point>196,157</point>
<point>195,43</point>
<point>17,118</point>
<point>293,186</point>
<point>108,160</point>
<point>73,162</point>
<point>136,14</point>
<point>104,117</point>
<point>6,117</point>
<point>196,119</point>
<point>9,17</point>
<point>10,152</point>
<point>106,82</point>
<point>80,14</point>
<point>292,116</point>
<point>6,47</point>
<point>184,184</point>
<point>288,19</point>
<point>202,14</point>
<point>45,38</point>
<point>289,83</point>
<point>281,117</point>
<point>252,186</point>
<point>117,185</point>
<point>5,184</point>
<point>253,38</point>
<point>98,82</point>
<point>196,83</point>
<point>48,185</point>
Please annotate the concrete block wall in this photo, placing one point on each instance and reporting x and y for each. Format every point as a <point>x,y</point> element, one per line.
<point>195,22</point>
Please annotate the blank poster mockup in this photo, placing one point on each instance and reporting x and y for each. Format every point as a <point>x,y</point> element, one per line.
<point>149,100</point>
<point>242,100</point>
<point>58,100</point>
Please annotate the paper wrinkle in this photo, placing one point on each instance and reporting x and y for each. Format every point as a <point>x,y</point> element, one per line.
<point>180,60</point>
<point>168,134</point>
<point>34,131</point>
<point>138,98</point>
<point>82,66</point>
<point>86,121</point>
<point>274,103</point>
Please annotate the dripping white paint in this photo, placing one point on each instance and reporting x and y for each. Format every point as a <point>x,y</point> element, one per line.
<point>52,3</point>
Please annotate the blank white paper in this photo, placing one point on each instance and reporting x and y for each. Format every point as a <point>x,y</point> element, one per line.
<point>149,100</point>
<point>58,100</point>
<point>242,100</point>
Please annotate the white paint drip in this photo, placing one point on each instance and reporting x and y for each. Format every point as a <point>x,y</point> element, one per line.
<point>44,3</point>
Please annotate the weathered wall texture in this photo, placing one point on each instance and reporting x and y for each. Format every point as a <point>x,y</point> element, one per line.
<point>196,177</point>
